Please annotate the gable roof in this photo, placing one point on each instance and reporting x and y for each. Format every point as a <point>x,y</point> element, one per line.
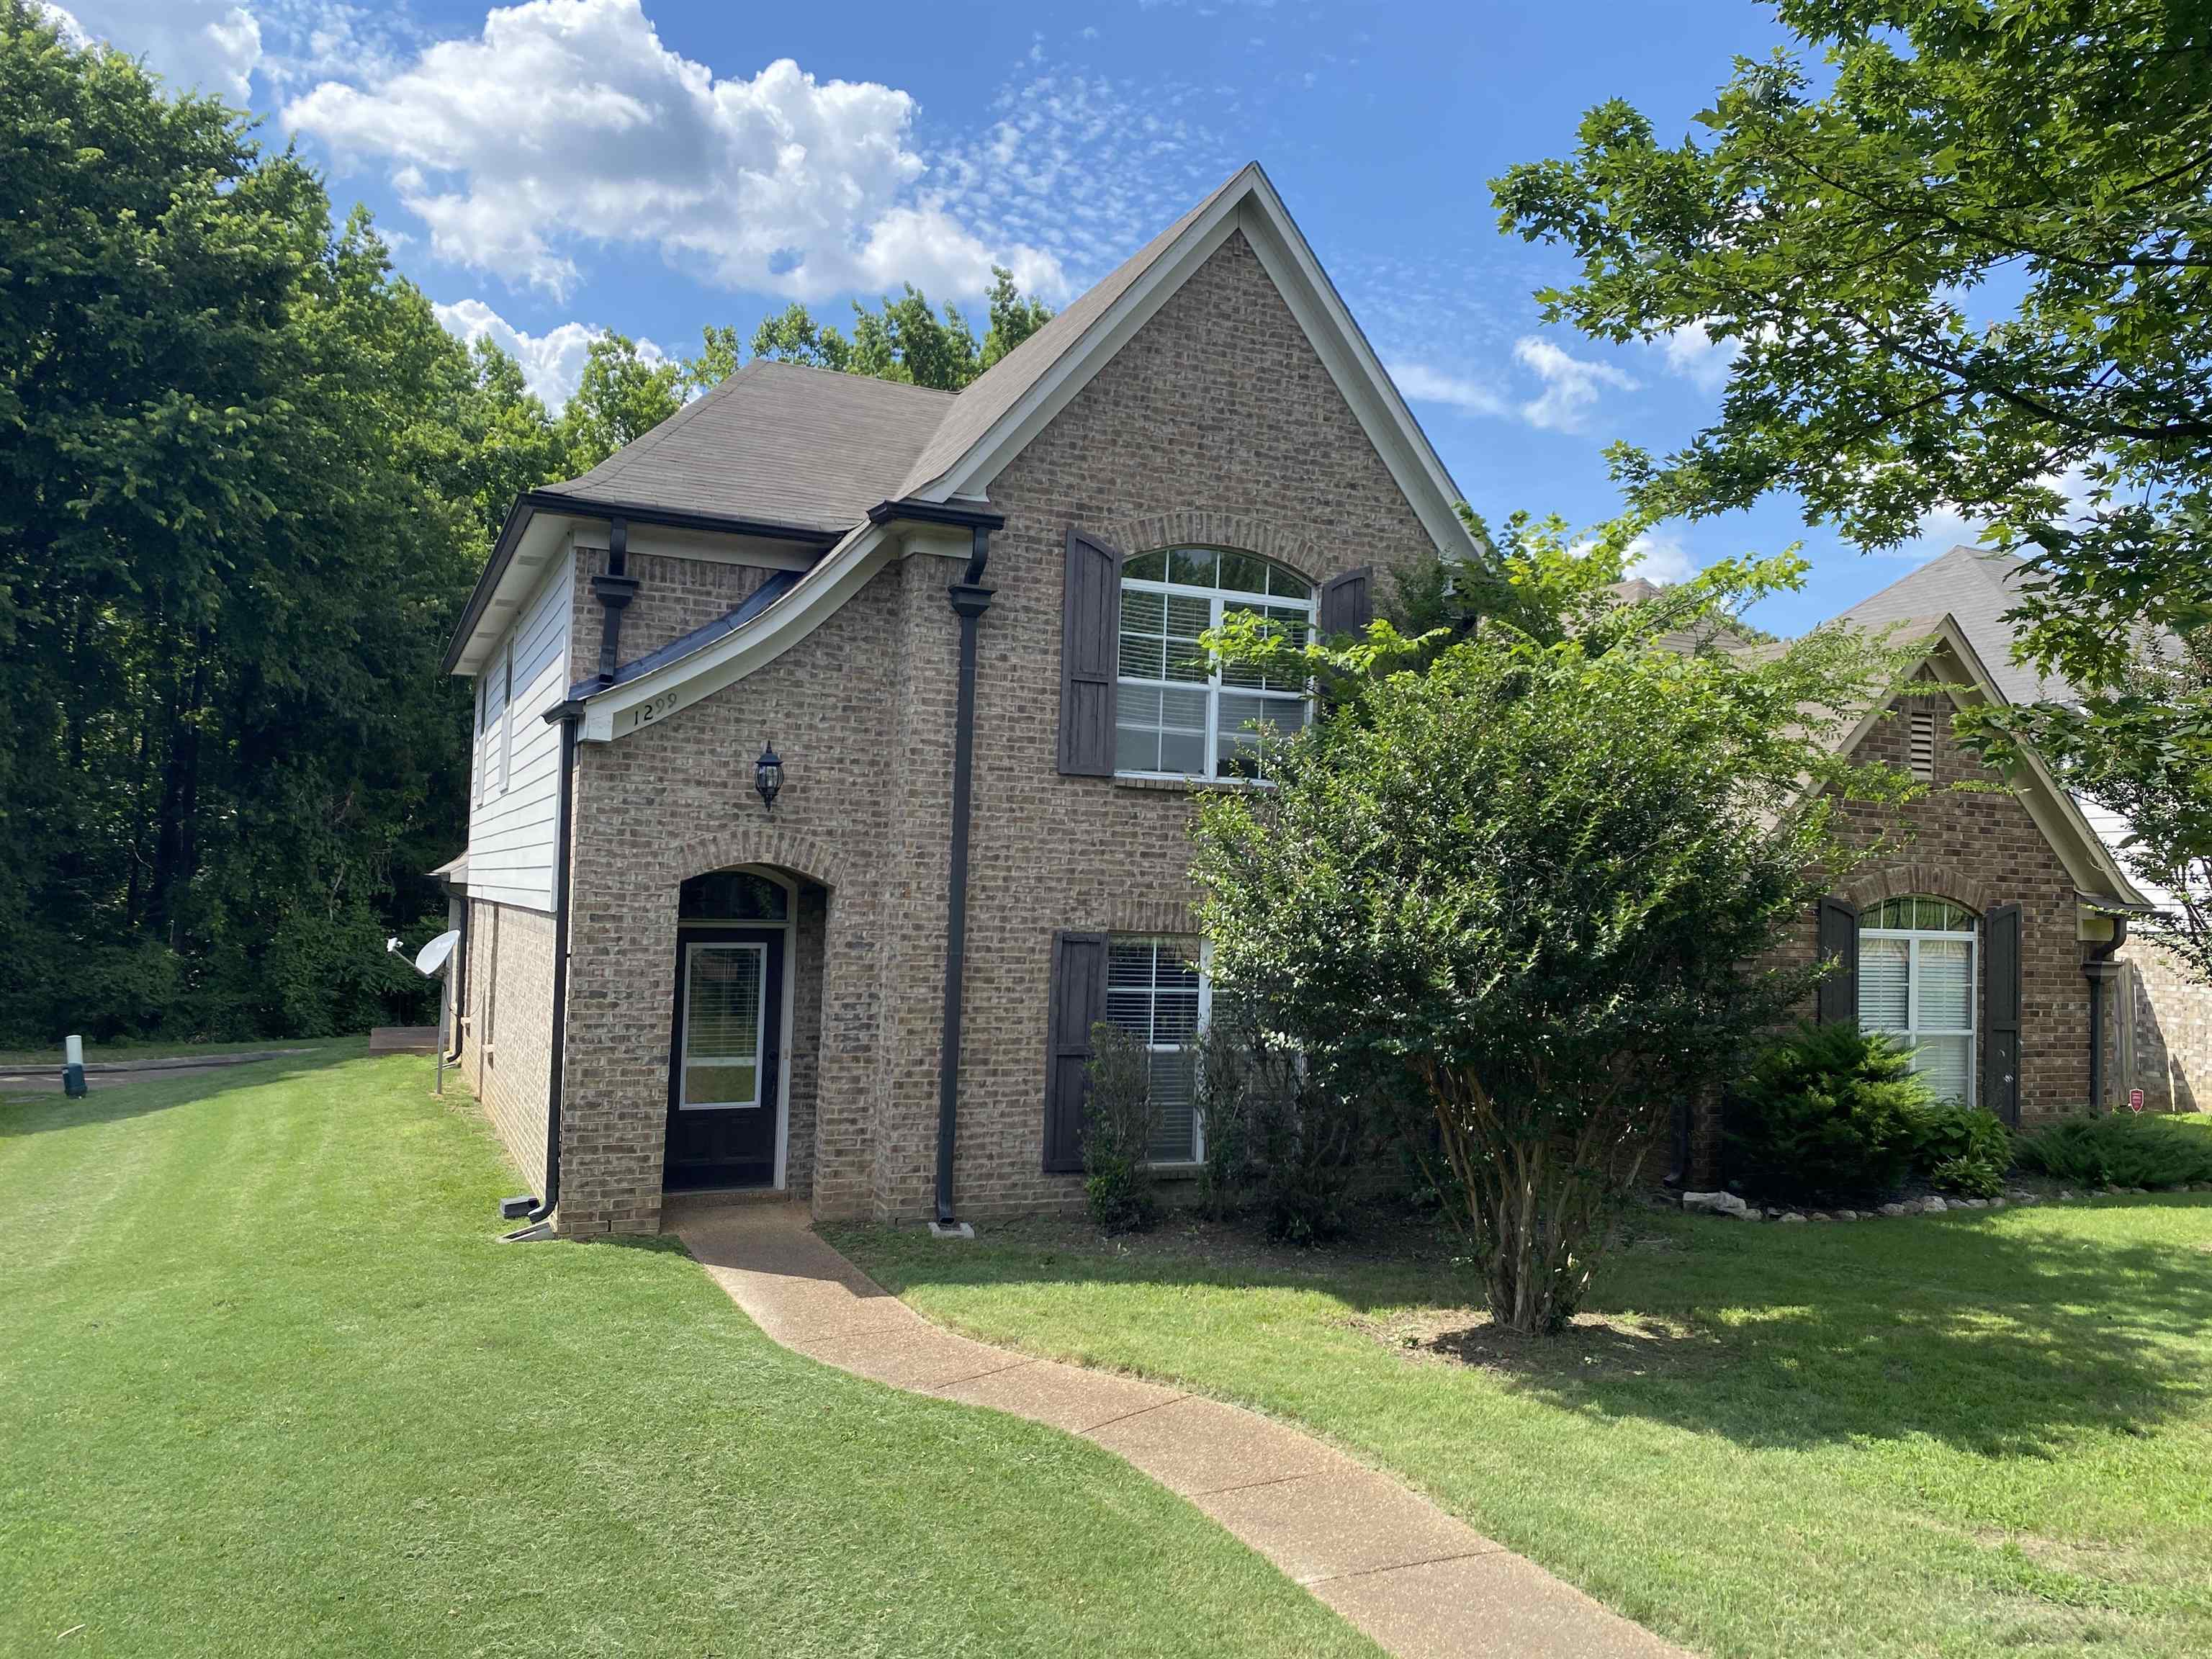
<point>1007,382</point>
<point>919,476</point>
<point>1975,588</point>
<point>780,443</point>
<point>1965,672</point>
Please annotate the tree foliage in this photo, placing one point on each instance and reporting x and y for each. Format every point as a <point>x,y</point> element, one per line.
<point>1961,264</point>
<point>902,339</point>
<point>1524,881</point>
<point>245,482</point>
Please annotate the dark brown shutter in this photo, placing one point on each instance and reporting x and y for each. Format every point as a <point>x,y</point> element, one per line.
<point>1089,638</point>
<point>1079,1002</point>
<point>1837,998</point>
<point>2000,1012</point>
<point>1347,602</point>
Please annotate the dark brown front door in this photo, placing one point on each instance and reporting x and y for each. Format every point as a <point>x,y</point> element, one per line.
<point>725,1058</point>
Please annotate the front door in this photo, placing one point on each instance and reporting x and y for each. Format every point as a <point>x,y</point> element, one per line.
<point>726,1058</point>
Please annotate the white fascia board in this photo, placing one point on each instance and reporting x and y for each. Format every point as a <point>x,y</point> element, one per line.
<point>842,572</point>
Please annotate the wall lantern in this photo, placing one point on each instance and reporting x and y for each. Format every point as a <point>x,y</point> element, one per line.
<point>768,776</point>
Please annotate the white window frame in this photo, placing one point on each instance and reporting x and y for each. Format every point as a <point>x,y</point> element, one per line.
<point>1914,938</point>
<point>1169,942</point>
<point>692,948</point>
<point>1219,601</point>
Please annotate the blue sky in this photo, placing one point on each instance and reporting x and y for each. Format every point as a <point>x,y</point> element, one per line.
<point>549,170</point>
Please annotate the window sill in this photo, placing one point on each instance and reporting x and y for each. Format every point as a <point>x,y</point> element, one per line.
<point>1191,786</point>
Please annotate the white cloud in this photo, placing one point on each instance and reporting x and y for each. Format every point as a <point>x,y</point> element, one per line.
<point>1698,358</point>
<point>568,122</point>
<point>552,362</point>
<point>1660,555</point>
<point>205,46</point>
<point>1571,385</point>
<point>1423,384</point>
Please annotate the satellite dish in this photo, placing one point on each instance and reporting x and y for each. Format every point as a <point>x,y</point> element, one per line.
<point>431,959</point>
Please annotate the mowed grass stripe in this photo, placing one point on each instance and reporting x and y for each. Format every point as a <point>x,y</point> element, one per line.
<point>269,1385</point>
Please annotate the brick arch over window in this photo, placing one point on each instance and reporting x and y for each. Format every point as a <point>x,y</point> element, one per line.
<point>764,843</point>
<point>1287,545</point>
<point>1870,887</point>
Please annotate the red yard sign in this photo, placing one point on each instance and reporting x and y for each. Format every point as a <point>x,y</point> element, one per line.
<point>2134,1100</point>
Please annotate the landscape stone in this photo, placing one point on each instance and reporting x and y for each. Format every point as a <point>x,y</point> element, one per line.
<point>1714,1204</point>
<point>1793,1216</point>
<point>1933,1205</point>
<point>1895,1209</point>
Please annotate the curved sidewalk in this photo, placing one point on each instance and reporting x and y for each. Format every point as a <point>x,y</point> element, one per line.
<point>1422,1583</point>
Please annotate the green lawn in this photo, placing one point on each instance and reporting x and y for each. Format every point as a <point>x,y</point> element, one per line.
<point>268,1385</point>
<point>1980,1433</point>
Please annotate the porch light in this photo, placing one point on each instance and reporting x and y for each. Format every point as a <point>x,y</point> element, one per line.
<point>768,776</point>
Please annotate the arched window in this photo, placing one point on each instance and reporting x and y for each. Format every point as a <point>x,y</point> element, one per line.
<point>1175,714</point>
<point>1918,981</point>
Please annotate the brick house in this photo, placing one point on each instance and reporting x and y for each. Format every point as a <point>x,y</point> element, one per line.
<point>2161,1036</point>
<point>963,626</point>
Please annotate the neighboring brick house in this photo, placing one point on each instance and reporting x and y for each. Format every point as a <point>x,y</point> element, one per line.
<point>965,625</point>
<point>1979,932</point>
<point>2161,1037</point>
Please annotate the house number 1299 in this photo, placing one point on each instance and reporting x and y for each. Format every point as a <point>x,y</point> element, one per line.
<point>646,712</point>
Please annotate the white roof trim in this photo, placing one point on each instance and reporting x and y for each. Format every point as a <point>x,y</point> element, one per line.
<point>1249,204</point>
<point>843,571</point>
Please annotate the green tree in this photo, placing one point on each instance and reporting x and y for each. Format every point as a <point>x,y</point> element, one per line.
<point>1014,317</point>
<point>902,339</point>
<point>1526,888</point>
<point>619,398</point>
<point>1960,265</point>
<point>246,482</point>
<point>792,337</point>
<point>718,359</point>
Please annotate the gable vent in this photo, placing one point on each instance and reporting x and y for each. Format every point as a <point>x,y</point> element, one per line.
<point>1920,748</point>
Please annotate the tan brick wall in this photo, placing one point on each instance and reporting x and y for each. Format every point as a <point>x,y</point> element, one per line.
<point>511,957</point>
<point>2170,1014</point>
<point>1216,423</point>
<point>674,596</point>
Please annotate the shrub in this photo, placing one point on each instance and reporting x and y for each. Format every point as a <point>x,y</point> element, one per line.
<point>1946,1132</point>
<point>1829,1112</point>
<point>1119,1121</point>
<point>1277,1132</point>
<point>1970,1177</point>
<point>2121,1151</point>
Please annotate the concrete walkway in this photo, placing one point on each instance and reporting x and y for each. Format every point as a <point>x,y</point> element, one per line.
<point>1419,1581</point>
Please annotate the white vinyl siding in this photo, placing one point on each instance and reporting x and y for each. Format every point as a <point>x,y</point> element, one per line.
<point>1917,982</point>
<point>511,822</point>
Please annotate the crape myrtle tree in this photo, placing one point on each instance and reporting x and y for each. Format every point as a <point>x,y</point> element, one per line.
<point>1524,878</point>
<point>1960,262</point>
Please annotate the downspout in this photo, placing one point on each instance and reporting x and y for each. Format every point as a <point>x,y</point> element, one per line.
<point>969,600</point>
<point>2098,968</point>
<point>568,713</point>
<point>614,590</point>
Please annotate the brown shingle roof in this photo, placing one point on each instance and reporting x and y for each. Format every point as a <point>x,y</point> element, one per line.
<point>779,443</point>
